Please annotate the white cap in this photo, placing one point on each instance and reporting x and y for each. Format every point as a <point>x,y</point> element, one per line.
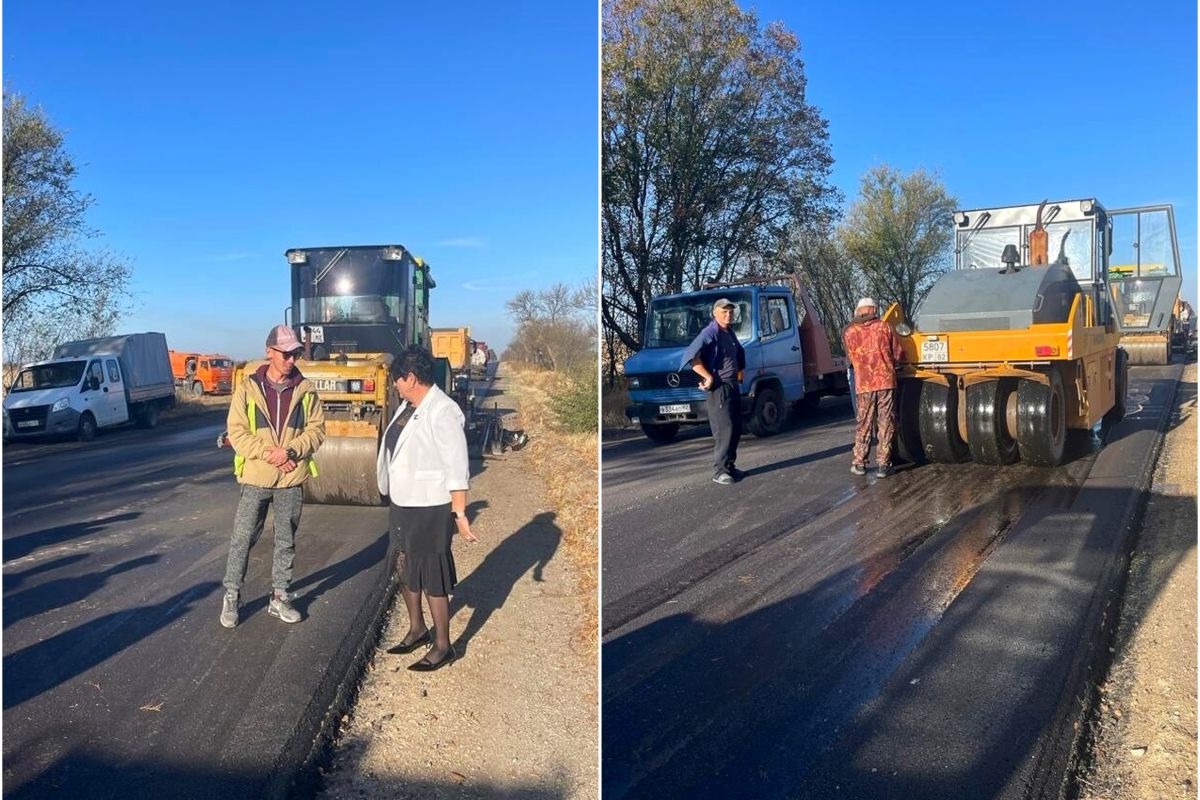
<point>866,301</point>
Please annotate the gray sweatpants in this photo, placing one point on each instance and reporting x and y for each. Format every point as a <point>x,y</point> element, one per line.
<point>248,526</point>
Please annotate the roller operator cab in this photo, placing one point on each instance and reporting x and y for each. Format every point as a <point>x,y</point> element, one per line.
<point>788,357</point>
<point>352,308</point>
<point>1018,344</point>
<point>1145,276</point>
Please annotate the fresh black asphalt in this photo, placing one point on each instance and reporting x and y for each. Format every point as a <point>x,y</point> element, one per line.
<point>119,681</point>
<point>810,634</point>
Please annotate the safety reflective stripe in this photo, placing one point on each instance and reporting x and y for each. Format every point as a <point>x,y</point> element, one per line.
<point>239,462</point>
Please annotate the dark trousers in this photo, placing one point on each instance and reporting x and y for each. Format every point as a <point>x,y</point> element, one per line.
<point>724,406</point>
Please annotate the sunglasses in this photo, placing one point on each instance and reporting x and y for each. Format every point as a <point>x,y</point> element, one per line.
<point>289,356</point>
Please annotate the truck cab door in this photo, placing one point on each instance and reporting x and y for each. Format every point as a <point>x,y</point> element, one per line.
<point>118,408</point>
<point>779,340</point>
<point>93,396</point>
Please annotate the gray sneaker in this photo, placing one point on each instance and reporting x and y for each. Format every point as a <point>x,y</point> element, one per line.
<point>229,610</point>
<point>281,606</point>
<point>858,469</point>
<point>723,478</point>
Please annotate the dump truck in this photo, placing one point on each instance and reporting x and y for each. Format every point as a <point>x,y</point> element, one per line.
<point>1018,344</point>
<point>201,374</point>
<point>454,345</point>
<point>353,307</point>
<point>1145,276</point>
<point>92,384</point>
<point>789,360</point>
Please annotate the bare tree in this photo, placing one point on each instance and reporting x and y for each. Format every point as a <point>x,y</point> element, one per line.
<point>54,288</point>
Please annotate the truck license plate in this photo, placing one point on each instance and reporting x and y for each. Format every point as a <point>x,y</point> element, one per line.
<point>678,408</point>
<point>935,351</point>
<point>29,423</point>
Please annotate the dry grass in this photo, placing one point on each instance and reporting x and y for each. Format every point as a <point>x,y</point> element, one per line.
<point>568,463</point>
<point>612,407</point>
<point>188,404</point>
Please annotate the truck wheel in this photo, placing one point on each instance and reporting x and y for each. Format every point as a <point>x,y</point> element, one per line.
<point>1042,421</point>
<point>660,434</point>
<point>87,427</point>
<point>937,420</point>
<point>148,418</point>
<point>1121,389</point>
<point>198,389</point>
<point>767,419</point>
<point>908,431</point>
<point>987,422</point>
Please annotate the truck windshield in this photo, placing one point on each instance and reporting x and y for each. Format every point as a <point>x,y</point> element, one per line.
<point>49,376</point>
<point>350,285</point>
<point>221,363</point>
<point>675,321</point>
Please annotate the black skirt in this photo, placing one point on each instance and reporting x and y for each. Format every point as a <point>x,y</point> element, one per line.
<point>423,534</point>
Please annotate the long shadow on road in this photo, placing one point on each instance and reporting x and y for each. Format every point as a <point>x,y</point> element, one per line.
<point>40,667</point>
<point>488,586</point>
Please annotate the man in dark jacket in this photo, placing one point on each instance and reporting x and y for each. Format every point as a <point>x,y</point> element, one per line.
<point>718,358</point>
<point>873,350</point>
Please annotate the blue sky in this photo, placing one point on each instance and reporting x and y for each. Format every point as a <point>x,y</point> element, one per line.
<point>1011,102</point>
<point>216,135</point>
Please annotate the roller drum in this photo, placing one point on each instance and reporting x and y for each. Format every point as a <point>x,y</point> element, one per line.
<point>987,429</point>
<point>1148,351</point>
<point>908,432</point>
<point>1042,421</point>
<point>346,467</point>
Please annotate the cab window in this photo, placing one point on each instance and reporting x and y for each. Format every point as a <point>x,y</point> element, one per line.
<point>114,372</point>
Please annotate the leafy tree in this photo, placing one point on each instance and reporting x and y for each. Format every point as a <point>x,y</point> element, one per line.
<point>833,281</point>
<point>54,288</point>
<point>711,154</point>
<point>899,233</point>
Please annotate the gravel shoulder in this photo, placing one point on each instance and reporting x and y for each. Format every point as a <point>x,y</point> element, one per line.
<point>516,715</point>
<point>1143,739</point>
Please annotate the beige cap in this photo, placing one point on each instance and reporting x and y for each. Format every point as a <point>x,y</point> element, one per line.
<point>283,339</point>
<point>864,303</point>
<point>724,302</point>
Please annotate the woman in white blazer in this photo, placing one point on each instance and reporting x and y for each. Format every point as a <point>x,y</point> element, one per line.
<point>422,468</point>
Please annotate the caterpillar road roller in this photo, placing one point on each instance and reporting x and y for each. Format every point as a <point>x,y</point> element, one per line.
<point>353,307</point>
<point>1018,344</point>
<point>1144,277</point>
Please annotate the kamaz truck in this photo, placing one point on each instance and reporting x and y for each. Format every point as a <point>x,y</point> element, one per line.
<point>788,357</point>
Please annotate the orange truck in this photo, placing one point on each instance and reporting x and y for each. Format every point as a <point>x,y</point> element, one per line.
<point>202,374</point>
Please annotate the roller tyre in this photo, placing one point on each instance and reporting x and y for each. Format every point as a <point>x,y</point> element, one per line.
<point>938,424</point>
<point>1117,412</point>
<point>987,431</point>
<point>1042,421</point>
<point>908,430</point>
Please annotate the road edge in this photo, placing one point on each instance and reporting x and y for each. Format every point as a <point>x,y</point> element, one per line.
<point>1059,757</point>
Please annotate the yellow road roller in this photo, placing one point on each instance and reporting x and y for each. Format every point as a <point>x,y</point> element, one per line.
<point>1018,344</point>
<point>353,307</point>
<point>1145,276</point>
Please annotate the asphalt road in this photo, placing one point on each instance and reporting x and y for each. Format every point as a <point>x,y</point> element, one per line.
<point>809,633</point>
<point>119,682</point>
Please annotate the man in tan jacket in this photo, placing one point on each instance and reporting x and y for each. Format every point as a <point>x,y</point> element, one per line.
<point>275,425</point>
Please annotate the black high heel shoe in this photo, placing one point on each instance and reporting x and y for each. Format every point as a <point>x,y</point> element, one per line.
<point>425,665</point>
<point>404,648</point>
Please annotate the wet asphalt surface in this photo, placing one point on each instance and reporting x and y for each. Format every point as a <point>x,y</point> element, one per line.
<point>810,633</point>
<point>119,681</point>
